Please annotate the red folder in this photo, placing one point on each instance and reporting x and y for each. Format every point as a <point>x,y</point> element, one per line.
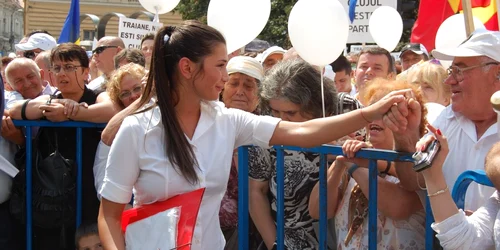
<point>189,204</point>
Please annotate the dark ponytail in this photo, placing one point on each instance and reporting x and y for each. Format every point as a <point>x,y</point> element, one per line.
<point>194,41</point>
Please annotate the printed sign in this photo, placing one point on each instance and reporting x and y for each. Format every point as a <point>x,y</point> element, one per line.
<point>359,48</point>
<point>131,31</point>
<point>358,30</point>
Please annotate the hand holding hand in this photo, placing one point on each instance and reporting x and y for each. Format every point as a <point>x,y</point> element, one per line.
<point>377,110</point>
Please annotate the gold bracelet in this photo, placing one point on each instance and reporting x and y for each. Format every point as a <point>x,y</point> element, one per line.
<point>438,192</point>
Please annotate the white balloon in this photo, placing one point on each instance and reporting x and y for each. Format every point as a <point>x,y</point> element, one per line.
<point>240,21</point>
<point>318,30</point>
<point>159,6</point>
<point>386,27</point>
<point>452,33</point>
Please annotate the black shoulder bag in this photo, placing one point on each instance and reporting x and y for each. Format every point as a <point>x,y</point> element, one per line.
<point>53,182</point>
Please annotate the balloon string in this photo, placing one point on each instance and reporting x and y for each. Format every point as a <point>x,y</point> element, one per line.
<point>157,17</point>
<point>322,90</point>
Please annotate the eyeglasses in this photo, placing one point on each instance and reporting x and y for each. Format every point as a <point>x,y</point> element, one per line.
<point>68,68</point>
<point>101,49</point>
<point>127,94</point>
<point>458,73</point>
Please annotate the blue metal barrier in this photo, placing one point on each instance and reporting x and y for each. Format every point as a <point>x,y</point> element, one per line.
<point>371,154</point>
<point>71,124</point>
<point>463,182</point>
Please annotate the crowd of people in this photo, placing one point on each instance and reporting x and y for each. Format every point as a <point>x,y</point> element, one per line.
<point>169,104</point>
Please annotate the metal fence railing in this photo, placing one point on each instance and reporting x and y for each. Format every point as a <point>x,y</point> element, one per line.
<point>463,182</point>
<point>71,124</point>
<point>371,154</point>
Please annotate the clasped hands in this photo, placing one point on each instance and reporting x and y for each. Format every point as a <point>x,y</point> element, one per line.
<point>59,110</point>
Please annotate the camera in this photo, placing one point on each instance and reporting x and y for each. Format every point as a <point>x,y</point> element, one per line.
<point>423,159</point>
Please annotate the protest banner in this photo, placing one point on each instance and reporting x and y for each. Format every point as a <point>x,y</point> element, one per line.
<point>358,30</point>
<point>131,31</point>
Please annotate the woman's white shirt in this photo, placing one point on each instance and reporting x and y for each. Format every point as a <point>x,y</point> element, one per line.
<point>137,161</point>
<point>100,160</point>
<point>481,230</point>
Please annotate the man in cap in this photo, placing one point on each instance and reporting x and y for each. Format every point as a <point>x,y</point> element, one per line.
<point>35,44</point>
<point>413,53</point>
<point>468,123</point>
<point>272,56</point>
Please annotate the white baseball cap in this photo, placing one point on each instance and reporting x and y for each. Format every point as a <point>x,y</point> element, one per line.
<point>245,65</point>
<point>270,51</point>
<point>480,43</point>
<point>38,41</point>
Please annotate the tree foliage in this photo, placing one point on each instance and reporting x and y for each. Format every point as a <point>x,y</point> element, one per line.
<point>276,30</point>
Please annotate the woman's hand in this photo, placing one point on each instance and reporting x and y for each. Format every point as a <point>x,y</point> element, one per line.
<point>437,163</point>
<point>54,112</point>
<point>396,98</point>
<point>70,107</point>
<point>350,148</point>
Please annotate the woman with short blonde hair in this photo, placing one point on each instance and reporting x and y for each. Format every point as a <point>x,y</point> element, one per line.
<point>125,85</point>
<point>430,77</point>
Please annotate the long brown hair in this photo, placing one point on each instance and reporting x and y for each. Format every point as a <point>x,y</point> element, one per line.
<point>192,40</point>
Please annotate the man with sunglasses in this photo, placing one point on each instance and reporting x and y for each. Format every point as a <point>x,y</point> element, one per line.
<point>107,48</point>
<point>468,123</point>
<point>35,44</point>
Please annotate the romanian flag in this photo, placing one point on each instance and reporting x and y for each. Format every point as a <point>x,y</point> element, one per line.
<point>71,29</point>
<point>432,13</point>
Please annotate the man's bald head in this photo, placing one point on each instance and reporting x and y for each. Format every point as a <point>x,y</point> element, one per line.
<point>107,48</point>
<point>43,62</point>
<point>111,41</point>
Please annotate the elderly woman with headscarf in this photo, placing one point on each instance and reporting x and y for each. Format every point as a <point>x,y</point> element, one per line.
<point>241,91</point>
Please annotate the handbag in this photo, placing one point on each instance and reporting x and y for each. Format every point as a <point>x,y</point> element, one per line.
<point>53,186</point>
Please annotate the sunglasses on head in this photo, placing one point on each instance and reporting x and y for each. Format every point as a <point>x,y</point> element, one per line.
<point>101,49</point>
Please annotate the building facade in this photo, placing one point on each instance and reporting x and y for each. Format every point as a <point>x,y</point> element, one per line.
<point>11,25</point>
<point>50,15</point>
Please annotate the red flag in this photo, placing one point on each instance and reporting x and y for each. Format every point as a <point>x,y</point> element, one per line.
<point>432,13</point>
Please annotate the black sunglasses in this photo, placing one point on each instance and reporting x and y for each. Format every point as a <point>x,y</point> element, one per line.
<point>101,49</point>
<point>29,54</point>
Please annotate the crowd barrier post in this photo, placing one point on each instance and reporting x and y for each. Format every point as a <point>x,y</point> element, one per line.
<point>29,168</point>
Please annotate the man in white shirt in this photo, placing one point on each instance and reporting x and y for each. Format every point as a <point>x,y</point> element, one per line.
<point>107,48</point>
<point>468,123</point>
<point>25,78</point>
